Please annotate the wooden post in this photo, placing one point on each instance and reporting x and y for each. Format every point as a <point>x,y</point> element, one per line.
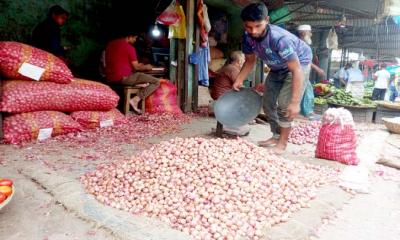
<point>259,73</point>
<point>219,130</point>
<point>196,70</point>
<point>173,44</point>
<point>189,68</point>
<point>180,83</point>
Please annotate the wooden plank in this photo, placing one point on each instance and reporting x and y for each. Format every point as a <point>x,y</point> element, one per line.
<point>181,73</point>
<point>173,45</point>
<point>189,68</point>
<point>220,129</point>
<point>196,71</point>
<point>258,73</point>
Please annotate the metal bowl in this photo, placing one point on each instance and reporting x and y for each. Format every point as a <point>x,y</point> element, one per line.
<point>237,108</point>
<point>3,204</point>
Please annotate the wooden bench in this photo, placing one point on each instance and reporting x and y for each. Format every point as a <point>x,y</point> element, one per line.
<point>128,92</point>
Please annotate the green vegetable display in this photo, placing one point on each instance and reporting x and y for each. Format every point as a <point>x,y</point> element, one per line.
<point>340,97</point>
<point>368,88</point>
<point>320,101</point>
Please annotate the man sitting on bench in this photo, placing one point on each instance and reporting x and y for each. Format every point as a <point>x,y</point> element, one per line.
<point>122,66</point>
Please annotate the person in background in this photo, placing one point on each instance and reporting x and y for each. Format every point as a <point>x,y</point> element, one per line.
<point>47,34</point>
<point>340,77</point>
<point>355,81</point>
<point>393,88</point>
<point>305,34</point>
<point>289,59</point>
<point>382,78</point>
<point>122,66</point>
<point>227,75</point>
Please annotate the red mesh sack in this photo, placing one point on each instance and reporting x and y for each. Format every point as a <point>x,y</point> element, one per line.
<point>79,95</point>
<point>18,57</point>
<point>37,126</point>
<point>337,139</point>
<point>163,99</point>
<point>95,119</point>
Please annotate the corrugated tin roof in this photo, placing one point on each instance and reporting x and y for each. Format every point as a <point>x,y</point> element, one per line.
<point>364,30</point>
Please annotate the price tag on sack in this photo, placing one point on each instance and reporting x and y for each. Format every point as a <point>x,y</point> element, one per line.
<point>106,123</point>
<point>31,71</point>
<point>44,133</point>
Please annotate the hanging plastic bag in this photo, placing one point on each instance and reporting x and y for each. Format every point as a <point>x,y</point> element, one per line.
<point>332,39</point>
<point>307,103</point>
<point>178,30</point>
<point>170,15</point>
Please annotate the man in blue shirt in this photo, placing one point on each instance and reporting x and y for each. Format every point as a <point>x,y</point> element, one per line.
<point>289,59</point>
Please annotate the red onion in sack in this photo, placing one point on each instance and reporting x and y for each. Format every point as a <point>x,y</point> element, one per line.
<point>79,95</point>
<point>209,188</point>
<point>14,54</point>
<point>164,99</point>
<point>337,139</point>
<point>29,126</point>
<point>95,119</point>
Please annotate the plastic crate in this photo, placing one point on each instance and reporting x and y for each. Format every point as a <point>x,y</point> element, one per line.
<point>320,109</point>
<point>382,112</point>
<point>360,114</point>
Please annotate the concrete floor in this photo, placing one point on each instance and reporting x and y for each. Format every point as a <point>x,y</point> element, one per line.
<point>50,203</point>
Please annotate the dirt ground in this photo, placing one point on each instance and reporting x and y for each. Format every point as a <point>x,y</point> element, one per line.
<point>50,202</point>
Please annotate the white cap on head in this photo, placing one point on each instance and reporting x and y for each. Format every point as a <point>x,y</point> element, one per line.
<point>304,28</point>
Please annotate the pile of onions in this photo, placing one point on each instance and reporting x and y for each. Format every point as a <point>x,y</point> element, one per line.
<point>306,132</point>
<point>209,188</point>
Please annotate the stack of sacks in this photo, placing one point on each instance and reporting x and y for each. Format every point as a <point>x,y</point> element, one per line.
<point>40,88</point>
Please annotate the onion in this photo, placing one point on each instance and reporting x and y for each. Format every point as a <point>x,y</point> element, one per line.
<point>305,133</point>
<point>230,189</point>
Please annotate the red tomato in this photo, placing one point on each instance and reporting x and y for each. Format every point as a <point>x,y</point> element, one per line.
<point>2,197</point>
<point>6,190</point>
<point>6,182</point>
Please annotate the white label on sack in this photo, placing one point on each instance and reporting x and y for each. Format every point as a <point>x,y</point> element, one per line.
<point>44,133</point>
<point>31,71</point>
<point>106,123</point>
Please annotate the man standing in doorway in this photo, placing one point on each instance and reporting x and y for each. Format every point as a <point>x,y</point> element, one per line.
<point>382,78</point>
<point>289,59</point>
<point>47,34</point>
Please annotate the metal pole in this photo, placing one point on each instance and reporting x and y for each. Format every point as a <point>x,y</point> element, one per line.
<point>328,71</point>
<point>377,44</point>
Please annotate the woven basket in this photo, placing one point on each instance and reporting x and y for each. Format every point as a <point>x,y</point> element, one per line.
<point>392,124</point>
<point>389,105</point>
